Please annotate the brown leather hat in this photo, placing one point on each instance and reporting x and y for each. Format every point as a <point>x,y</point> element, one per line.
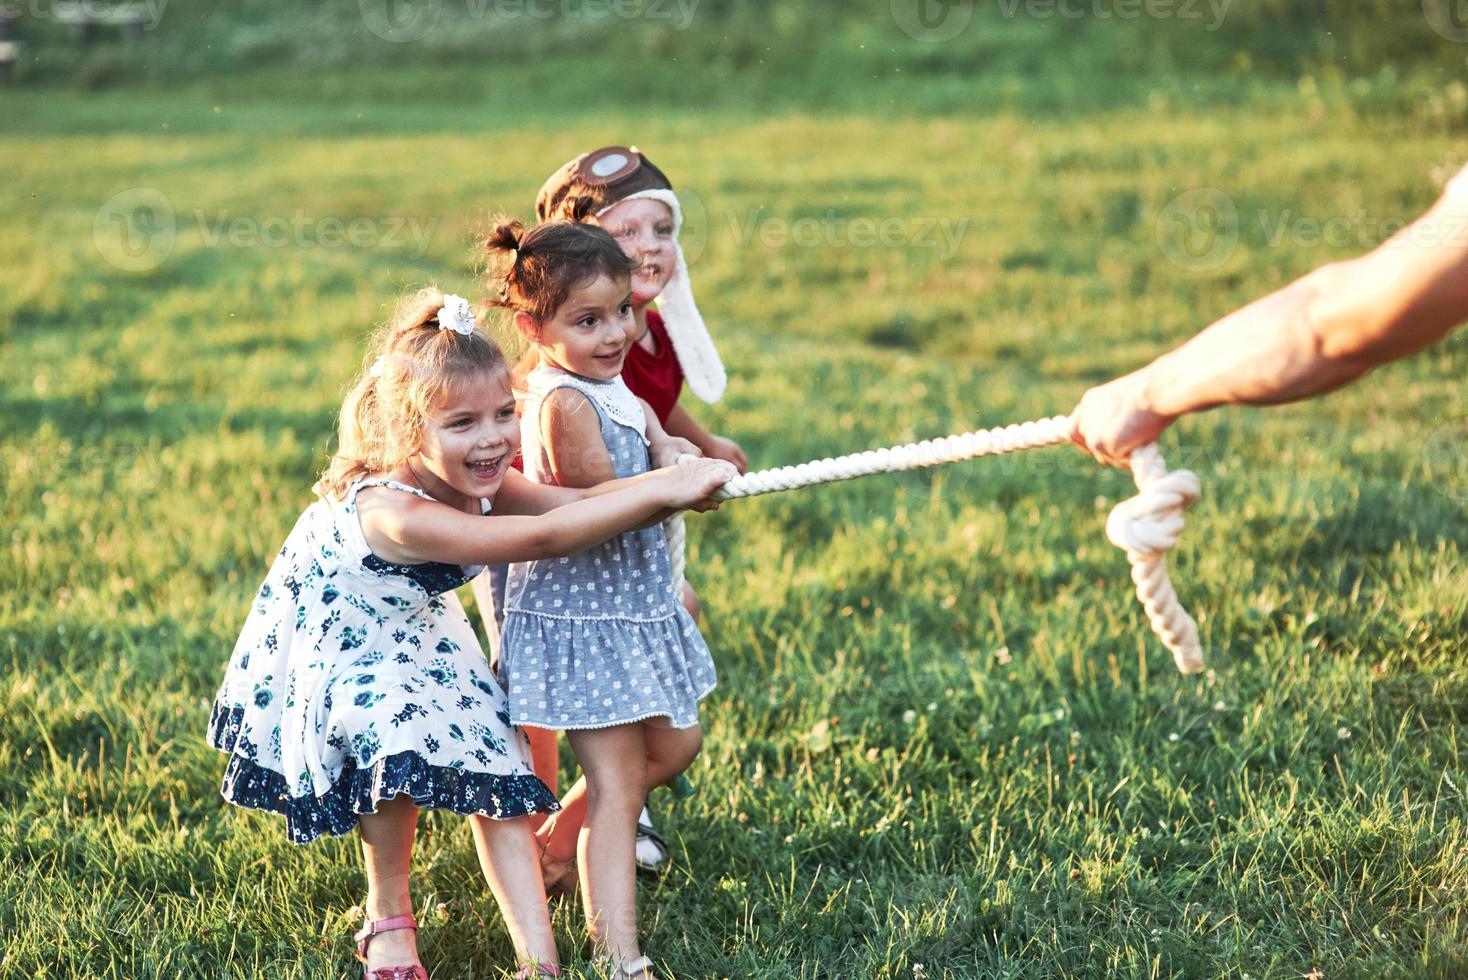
<point>604,176</point>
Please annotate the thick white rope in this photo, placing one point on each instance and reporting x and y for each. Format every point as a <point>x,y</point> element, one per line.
<point>677,551</point>
<point>1146,526</point>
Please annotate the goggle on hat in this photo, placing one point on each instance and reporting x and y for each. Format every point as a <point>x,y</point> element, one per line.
<point>615,174</point>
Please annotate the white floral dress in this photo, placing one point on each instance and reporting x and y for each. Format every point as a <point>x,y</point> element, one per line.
<point>356,680</point>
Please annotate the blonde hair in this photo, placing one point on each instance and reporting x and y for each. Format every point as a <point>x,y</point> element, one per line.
<point>411,363</point>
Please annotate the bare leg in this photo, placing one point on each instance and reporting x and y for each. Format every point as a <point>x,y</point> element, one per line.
<point>690,600</point>
<point>558,835</point>
<point>511,864</point>
<point>387,852</point>
<point>545,762</point>
<point>669,752</point>
<point>615,762</point>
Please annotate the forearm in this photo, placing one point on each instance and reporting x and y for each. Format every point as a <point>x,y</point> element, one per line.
<point>685,426</point>
<point>563,531</point>
<point>1327,328</point>
<point>598,518</point>
<point>520,496</point>
<point>659,517</point>
<point>1264,353</point>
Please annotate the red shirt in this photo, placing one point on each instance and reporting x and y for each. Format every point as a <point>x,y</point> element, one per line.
<point>655,378</point>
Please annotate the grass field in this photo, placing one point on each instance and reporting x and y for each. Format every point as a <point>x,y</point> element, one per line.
<point>944,743</point>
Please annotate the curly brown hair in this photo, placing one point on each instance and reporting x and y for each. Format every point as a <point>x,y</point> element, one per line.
<point>533,270</point>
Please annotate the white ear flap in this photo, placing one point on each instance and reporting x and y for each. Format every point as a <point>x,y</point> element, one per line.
<point>697,355</point>
<point>696,352</point>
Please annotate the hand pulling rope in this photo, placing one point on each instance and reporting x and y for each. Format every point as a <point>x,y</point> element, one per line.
<point>1146,526</point>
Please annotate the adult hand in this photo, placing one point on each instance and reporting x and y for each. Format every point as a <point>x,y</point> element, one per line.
<point>669,450</point>
<point>727,449</point>
<point>1113,419</point>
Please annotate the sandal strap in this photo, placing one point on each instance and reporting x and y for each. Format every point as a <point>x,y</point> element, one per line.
<point>390,924</point>
<point>643,964</point>
<point>374,926</point>
<point>397,973</point>
<point>643,830</point>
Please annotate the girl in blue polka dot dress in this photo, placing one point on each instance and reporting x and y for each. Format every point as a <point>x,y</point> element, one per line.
<point>357,692</point>
<point>597,644</point>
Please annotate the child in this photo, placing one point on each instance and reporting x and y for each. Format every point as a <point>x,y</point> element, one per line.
<point>596,645</point>
<point>634,200</point>
<point>357,692</point>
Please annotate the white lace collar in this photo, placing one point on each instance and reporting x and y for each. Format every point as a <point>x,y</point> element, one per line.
<point>613,397</point>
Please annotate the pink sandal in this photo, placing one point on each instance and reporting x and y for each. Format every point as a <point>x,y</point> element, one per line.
<point>390,924</point>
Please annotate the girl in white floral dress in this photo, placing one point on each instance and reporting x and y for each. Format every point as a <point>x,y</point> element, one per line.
<point>357,692</point>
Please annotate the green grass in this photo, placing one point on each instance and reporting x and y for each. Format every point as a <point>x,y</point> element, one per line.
<point>943,734</point>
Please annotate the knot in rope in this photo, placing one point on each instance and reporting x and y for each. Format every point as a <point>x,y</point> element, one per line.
<point>1147,527</point>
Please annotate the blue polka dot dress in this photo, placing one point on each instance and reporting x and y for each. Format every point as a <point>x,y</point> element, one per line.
<point>600,638</point>
<point>356,680</point>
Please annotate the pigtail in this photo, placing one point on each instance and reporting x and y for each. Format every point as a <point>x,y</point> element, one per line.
<point>532,270</point>
<point>501,249</point>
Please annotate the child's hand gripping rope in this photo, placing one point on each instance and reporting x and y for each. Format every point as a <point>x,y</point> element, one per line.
<point>1146,526</point>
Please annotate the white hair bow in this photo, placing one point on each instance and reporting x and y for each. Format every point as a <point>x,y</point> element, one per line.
<point>455,315</point>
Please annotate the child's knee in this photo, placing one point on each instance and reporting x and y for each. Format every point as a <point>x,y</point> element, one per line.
<point>675,748</point>
<point>693,747</point>
<point>621,790</point>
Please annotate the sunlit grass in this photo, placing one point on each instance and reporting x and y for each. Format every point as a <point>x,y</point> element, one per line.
<point>943,735</point>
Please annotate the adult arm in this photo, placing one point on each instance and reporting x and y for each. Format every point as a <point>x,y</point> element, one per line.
<point>1317,334</point>
<point>685,426</point>
<point>663,448</point>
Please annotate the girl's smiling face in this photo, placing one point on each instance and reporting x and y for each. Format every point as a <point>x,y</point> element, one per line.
<point>644,229</point>
<point>470,438</point>
<point>590,333</point>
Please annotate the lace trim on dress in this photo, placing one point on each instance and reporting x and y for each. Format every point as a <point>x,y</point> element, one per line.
<point>614,398</point>
<point>360,790</point>
<point>589,617</point>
